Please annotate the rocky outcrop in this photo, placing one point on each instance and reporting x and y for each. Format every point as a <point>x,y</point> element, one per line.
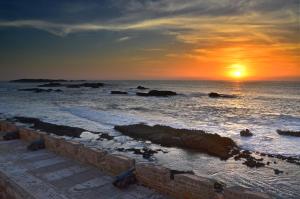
<point>37,80</point>
<point>218,95</point>
<point>212,144</point>
<point>141,88</point>
<point>118,93</point>
<point>39,90</point>
<point>51,84</point>
<point>289,133</point>
<point>60,130</point>
<point>246,133</point>
<point>157,93</point>
<point>88,85</point>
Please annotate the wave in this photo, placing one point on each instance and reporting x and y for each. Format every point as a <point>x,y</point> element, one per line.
<point>110,118</point>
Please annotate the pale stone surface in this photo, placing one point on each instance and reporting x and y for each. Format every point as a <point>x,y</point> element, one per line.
<point>45,175</point>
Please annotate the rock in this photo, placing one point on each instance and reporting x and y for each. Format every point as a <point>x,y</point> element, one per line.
<point>212,144</point>
<point>246,133</point>
<point>157,93</point>
<point>145,152</point>
<point>52,84</point>
<point>289,133</point>
<point>277,171</point>
<point>176,172</point>
<point>118,92</point>
<point>251,162</point>
<point>38,80</point>
<point>141,88</point>
<point>60,130</point>
<point>39,90</point>
<point>88,85</point>
<point>217,95</point>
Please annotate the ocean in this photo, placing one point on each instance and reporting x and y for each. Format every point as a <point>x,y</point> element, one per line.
<point>262,107</point>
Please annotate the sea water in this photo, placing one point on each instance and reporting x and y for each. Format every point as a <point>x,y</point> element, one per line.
<point>262,107</point>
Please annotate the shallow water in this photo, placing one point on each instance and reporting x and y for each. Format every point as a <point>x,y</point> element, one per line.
<point>261,107</point>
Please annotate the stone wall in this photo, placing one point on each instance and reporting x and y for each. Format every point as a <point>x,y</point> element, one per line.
<point>181,186</point>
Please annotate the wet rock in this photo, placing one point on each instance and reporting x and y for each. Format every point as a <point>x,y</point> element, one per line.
<point>39,90</point>
<point>87,85</point>
<point>218,95</point>
<point>37,80</point>
<point>246,133</point>
<point>157,93</point>
<point>118,92</point>
<point>52,84</point>
<point>251,162</point>
<point>141,88</point>
<point>60,130</point>
<point>145,152</point>
<point>277,171</point>
<point>105,136</point>
<point>289,133</point>
<point>176,172</point>
<point>212,144</point>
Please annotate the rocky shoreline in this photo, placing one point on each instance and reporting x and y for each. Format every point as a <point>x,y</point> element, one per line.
<point>196,140</point>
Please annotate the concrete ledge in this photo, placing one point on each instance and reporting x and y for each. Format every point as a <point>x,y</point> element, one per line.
<point>151,175</point>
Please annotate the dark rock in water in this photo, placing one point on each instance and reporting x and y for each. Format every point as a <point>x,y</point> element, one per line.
<point>60,130</point>
<point>141,88</point>
<point>118,92</point>
<point>38,80</point>
<point>105,136</point>
<point>88,85</point>
<point>246,133</point>
<point>176,172</point>
<point>277,171</point>
<point>11,135</point>
<point>217,95</point>
<point>252,163</point>
<point>145,152</point>
<point>39,90</point>
<point>157,93</point>
<point>52,84</point>
<point>289,133</point>
<point>36,145</point>
<point>212,144</point>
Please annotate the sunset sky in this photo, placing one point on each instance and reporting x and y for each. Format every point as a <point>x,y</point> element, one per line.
<point>150,39</point>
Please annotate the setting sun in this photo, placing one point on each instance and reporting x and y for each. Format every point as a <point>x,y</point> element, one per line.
<point>237,71</point>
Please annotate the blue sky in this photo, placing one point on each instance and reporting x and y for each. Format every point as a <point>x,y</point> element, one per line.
<point>146,39</point>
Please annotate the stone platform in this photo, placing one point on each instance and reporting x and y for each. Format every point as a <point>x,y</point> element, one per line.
<point>46,175</point>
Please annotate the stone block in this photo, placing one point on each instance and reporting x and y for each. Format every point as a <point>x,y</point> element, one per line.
<point>91,156</point>
<point>116,164</point>
<point>194,187</point>
<point>7,126</point>
<point>150,173</point>
<point>29,134</point>
<point>242,193</point>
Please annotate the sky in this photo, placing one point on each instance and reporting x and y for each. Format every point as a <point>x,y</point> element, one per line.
<point>150,39</point>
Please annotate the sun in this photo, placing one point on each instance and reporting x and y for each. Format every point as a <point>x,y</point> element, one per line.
<point>237,71</point>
